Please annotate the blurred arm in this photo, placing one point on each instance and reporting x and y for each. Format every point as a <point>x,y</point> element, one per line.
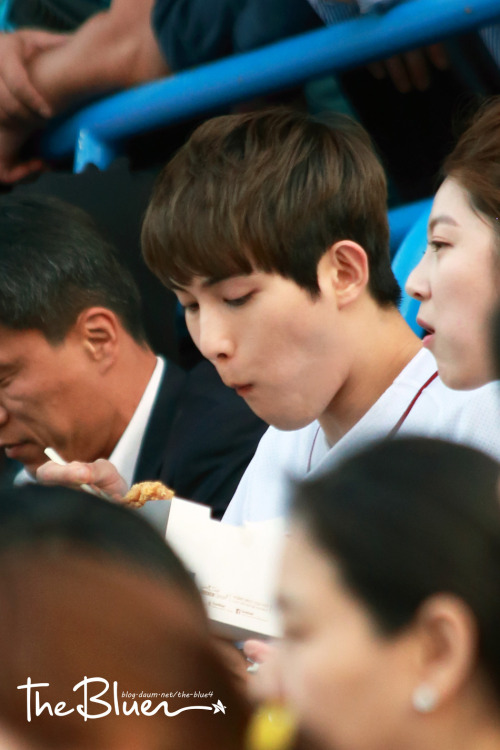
<point>112,50</point>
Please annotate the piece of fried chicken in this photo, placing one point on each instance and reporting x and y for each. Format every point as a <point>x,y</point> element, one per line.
<point>141,492</point>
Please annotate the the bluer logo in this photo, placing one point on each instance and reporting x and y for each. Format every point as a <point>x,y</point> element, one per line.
<point>93,705</point>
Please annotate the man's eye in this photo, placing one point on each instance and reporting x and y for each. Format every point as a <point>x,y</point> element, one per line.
<point>239,301</point>
<point>6,380</point>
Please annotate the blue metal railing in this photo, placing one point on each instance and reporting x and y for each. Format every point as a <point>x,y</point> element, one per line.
<point>408,255</point>
<point>95,133</point>
<point>402,218</point>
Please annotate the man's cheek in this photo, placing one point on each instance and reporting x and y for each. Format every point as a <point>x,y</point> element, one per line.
<point>36,422</point>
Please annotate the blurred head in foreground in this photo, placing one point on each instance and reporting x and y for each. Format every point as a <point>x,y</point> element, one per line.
<point>390,595</point>
<point>108,632</point>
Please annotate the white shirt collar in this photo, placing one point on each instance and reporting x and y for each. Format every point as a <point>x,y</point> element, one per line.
<point>126,452</point>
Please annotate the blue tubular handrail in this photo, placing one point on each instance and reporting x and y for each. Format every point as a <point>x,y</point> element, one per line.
<point>95,130</point>
<point>407,256</point>
<point>402,218</point>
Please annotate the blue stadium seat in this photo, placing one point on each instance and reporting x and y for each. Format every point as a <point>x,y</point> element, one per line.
<point>405,260</point>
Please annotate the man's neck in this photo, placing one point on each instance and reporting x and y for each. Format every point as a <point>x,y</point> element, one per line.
<point>125,388</point>
<point>382,351</point>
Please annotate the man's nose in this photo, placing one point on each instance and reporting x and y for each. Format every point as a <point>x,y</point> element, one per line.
<point>216,341</point>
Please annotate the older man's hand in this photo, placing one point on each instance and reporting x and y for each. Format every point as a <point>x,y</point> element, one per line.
<point>19,98</point>
<point>100,474</point>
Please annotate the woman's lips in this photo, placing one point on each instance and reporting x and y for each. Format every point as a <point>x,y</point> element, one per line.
<point>430,332</point>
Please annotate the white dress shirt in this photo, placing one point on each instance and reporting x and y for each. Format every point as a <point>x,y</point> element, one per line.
<point>126,451</point>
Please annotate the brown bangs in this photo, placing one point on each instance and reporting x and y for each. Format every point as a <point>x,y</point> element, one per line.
<point>268,191</point>
<point>191,227</point>
<point>203,253</point>
<point>475,161</point>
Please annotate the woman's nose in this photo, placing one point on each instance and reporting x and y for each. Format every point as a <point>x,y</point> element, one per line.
<point>417,284</point>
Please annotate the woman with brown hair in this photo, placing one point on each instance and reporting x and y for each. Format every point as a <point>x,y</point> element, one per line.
<point>390,597</point>
<point>458,280</point>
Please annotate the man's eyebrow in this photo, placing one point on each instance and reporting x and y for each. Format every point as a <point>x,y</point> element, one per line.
<point>442,219</point>
<point>213,280</point>
<point>210,281</point>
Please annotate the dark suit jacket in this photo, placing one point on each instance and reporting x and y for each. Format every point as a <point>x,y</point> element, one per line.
<point>8,471</point>
<point>200,437</point>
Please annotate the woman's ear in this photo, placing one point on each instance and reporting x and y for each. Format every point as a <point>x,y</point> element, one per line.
<point>447,634</point>
<point>347,265</point>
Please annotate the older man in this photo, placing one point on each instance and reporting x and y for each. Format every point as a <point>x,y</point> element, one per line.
<point>77,374</point>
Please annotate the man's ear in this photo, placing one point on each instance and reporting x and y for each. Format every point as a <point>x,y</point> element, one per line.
<point>448,638</point>
<point>347,265</point>
<point>98,329</point>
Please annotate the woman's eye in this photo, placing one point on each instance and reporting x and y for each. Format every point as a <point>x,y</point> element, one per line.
<point>294,632</point>
<point>238,301</point>
<point>191,307</point>
<point>436,245</point>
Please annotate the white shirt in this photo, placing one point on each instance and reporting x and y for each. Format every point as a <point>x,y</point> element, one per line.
<point>469,417</point>
<point>127,449</point>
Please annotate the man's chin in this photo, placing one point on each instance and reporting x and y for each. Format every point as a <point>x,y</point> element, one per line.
<point>286,423</point>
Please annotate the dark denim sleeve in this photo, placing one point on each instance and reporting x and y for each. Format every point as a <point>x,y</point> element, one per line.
<point>191,32</point>
<point>54,15</point>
